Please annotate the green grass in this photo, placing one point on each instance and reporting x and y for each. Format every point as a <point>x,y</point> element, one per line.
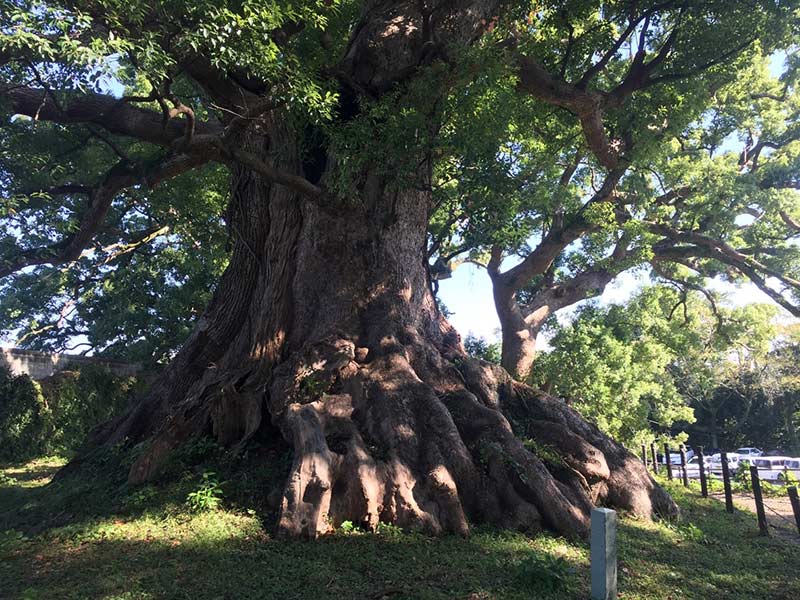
<point>93,537</point>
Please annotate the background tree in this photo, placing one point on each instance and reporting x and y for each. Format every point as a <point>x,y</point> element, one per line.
<point>614,364</point>
<point>749,398</point>
<point>667,363</point>
<point>334,121</point>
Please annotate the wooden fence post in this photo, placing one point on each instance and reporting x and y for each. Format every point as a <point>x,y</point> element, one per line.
<point>701,458</point>
<point>667,461</point>
<point>763,527</point>
<point>654,457</point>
<point>644,456</point>
<point>604,554</point>
<point>795,505</point>
<point>726,481</point>
<point>683,466</point>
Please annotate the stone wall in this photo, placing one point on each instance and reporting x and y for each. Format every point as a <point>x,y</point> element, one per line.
<point>40,365</point>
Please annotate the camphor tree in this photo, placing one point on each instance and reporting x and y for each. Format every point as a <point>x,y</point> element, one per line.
<point>336,123</point>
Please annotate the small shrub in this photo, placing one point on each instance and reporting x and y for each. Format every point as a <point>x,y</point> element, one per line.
<point>141,497</point>
<point>788,478</point>
<point>196,451</point>
<point>544,572</point>
<point>388,530</point>
<point>10,540</point>
<point>688,531</point>
<point>208,496</point>
<point>349,528</point>
<point>742,476</point>
<point>771,490</point>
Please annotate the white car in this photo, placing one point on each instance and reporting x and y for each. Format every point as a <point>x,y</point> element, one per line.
<point>675,457</point>
<point>769,467</point>
<point>747,452</point>
<point>693,467</point>
<point>733,463</point>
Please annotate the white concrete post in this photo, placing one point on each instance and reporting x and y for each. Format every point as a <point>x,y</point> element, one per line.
<point>604,554</point>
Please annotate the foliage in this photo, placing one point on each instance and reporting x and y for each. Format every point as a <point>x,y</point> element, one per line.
<point>742,476</point>
<point>348,527</point>
<point>613,364</point>
<point>678,84</point>
<point>208,496</point>
<point>25,417</point>
<point>649,367</point>
<point>128,299</point>
<point>751,398</point>
<point>545,572</point>
<point>788,479</point>
<point>483,349</point>
<point>56,415</point>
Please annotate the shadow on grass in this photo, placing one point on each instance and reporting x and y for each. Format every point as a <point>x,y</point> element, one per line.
<point>98,489</point>
<point>246,565</point>
<point>91,537</point>
<point>710,554</point>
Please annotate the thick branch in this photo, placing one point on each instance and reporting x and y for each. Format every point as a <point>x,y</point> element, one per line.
<point>586,105</point>
<point>792,223</point>
<point>582,286</point>
<point>538,261</point>
<point>297,183</point>
<point>753,270</point>
<point>724,252</point>
<point>119,117</point>
<point>112,114</point>
<point>100,199</point>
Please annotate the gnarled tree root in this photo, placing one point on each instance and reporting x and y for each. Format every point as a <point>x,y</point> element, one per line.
<point>407,438</point>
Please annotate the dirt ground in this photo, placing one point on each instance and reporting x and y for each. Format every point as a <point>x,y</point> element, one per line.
<point>778,510</point>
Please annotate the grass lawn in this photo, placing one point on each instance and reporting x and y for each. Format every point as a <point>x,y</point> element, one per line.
<point>81,539</point>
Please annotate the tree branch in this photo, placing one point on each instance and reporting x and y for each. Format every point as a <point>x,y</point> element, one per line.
<point>703,247</point>
<point>101,196</point>
<point>112,114</point>
<point>792,223</point>
<point>297,183</point>
<point>586,105</point>
<point>538,261</point>
<point>582,286</point>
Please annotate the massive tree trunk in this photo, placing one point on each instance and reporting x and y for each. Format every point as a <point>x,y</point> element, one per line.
<point>324,330</point>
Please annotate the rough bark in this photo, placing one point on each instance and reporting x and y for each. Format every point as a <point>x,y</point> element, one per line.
<point>324,329</point>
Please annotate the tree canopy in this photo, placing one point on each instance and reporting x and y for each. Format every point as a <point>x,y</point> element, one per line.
<point>570,141</point>
<point>307,169</point>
